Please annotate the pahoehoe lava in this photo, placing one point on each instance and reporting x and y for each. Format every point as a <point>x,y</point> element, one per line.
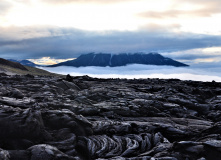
<point>49,118</point>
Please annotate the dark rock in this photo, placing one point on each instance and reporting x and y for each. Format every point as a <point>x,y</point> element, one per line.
<point>69,78</point>
<point>29,76</point>
<point>3,74</point>
<point>67,85</point>
<point>47,152</point>
<point>90,118</point>
<point>17,93</point>
<point>4,155</point>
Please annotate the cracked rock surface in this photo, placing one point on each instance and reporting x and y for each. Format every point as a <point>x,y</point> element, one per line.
<point>46,118</point>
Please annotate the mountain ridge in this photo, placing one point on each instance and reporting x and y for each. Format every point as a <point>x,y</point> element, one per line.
<point>122,59</point>
<point>12,64</point>
<point>24,62</point>
<point>14,68</point>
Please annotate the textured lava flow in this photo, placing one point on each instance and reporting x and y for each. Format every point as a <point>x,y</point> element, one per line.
<point>46,118</point>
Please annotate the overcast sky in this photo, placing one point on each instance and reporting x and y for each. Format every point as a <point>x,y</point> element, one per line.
<point>189,31</point>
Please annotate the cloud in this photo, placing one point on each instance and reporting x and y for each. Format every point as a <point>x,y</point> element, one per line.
<point>160,27</point>
<point>64,43</point>
<point>192,56</point>
<point>85,1</point>
<point>205,12</point>
<point>4,7</point>
<point>142,71</point>
<point>200,8</point>
<point>13,33</point>
<point>48,60</point>
<point>201,2</point>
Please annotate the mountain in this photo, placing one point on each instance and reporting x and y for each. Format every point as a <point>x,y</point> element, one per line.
<point>14,68</point>
<point>114,60</point>
<point>11,64</point>
<point>24,62</point>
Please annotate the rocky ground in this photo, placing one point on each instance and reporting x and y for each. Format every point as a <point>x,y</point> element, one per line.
<point>46,118</point>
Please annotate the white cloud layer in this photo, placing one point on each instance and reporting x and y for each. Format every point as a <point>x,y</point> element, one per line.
<point>195,73</point>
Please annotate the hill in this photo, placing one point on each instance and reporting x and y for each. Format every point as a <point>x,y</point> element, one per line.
<point>12,68</point>
<point>24,62</point>
<point>12,64</point>
<point>114,60</point>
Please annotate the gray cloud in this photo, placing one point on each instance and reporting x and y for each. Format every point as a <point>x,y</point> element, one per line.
<point>192,58</point>
<point>196,55</point>
<point>13,33</point>
<point>70,43</point>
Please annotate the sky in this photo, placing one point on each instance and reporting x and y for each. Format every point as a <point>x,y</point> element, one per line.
<point>50,31</point>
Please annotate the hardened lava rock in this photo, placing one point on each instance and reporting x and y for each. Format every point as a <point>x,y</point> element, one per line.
<point>84,118</point>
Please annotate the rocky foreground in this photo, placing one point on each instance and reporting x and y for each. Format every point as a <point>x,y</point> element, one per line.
<point>46,118</point>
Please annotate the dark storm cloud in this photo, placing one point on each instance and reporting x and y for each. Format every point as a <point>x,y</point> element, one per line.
<point>70,43</point>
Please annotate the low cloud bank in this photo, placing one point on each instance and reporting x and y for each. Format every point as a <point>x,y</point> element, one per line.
<point>195,73</point>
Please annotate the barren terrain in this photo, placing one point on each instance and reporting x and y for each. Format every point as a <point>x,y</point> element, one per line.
<point>47,118</point>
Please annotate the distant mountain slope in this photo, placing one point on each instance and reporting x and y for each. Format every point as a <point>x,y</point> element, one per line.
<point>24,62</point>
<point>14,68</point>
<point>8,63</point>
<point>114,60</point>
